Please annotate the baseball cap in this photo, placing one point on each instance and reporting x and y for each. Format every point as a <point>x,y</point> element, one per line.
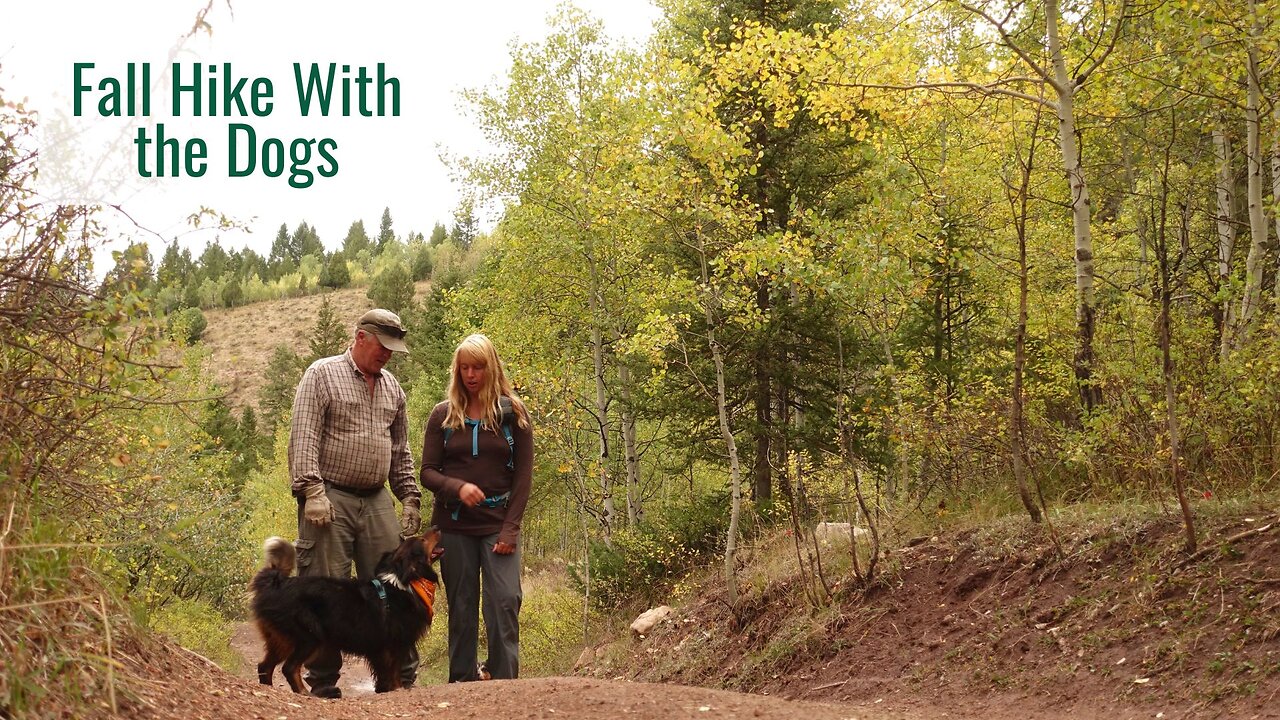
<point>384,325</point>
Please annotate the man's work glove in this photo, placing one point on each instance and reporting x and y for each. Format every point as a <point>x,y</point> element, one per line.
<point>317,509</point>
<point>410,519</point>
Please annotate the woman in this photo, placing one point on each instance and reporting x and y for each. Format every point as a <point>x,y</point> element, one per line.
<point>477,458</point>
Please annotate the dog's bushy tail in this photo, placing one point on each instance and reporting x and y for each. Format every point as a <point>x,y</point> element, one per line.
<point>278,561</point>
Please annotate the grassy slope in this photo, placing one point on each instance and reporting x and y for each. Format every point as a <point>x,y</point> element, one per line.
<point>241,339</point>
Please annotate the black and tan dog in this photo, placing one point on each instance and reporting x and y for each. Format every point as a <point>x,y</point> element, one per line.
<point>379,620</point>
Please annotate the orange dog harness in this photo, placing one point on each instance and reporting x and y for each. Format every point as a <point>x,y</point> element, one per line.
<point>426,592</point>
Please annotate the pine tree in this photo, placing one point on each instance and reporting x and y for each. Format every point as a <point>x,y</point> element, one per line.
<point>328,336</point>
<point>305,241</point>
<point>438,235</point>
<point>255,444</point>
<point>357,240</point>
<point>232,294</point>
<point>422,264</point>
<point>175,267</point>
<point>280,255</point>
<point>335,274</point>
<point>191,294</point>
<point>283,372</point>
<point>392,289</point>
<point>213,261</point>
<point>385,233</point>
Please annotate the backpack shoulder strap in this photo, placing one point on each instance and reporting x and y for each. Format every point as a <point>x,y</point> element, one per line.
<point>507,413</point>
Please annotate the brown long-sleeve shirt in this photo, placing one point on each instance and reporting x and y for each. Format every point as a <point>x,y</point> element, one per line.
<point>446,468</point>
<point>343,434</point>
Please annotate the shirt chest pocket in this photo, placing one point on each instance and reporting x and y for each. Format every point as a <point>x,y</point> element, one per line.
<point>350,414</point>
<point>386,414</point>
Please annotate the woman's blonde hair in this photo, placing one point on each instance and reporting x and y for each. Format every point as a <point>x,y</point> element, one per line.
<point>479,349</point>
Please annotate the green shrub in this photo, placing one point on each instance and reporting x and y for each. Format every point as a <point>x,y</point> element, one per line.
<point>422,264</point>
<point>232,294</point>
<point>198,626</point>
<point>641,564</point>
<point>187,325</point>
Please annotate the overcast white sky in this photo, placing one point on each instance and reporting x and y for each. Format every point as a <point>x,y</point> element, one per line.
<point>435,49</point>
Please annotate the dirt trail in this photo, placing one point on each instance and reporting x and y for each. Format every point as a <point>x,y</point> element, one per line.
<point>191,687</point>
<point>215,694</point>
<point>354,681</point>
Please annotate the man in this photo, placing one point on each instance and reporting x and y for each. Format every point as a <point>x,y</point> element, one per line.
<point>348,440</point>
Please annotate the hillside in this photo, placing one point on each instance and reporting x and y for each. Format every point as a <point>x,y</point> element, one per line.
<point>995,623</point>
<point>241,339</point>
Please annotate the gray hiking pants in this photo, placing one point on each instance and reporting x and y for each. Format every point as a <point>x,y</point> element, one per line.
<point>363,529</point>
<point>469,561</point>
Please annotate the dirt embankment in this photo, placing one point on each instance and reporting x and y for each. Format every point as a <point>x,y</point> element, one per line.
<point>1118,624</point>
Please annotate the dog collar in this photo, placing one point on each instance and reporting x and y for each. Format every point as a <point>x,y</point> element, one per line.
<point>382,592</point>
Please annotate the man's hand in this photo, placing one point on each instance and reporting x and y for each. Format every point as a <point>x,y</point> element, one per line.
<point>470,495</point>
<point>410,520</point>
<point>317,509</point>
<point>502,548</point>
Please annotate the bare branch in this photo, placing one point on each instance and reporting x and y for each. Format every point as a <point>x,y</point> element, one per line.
<point>1014,46</point>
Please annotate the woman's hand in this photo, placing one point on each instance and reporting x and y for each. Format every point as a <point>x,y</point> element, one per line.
<point>501,548</point>
<point>471,495</point>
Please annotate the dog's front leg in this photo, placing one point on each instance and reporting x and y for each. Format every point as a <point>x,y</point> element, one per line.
<point>386,673</point>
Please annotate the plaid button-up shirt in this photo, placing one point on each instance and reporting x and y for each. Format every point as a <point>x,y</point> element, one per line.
<point>344,435</point>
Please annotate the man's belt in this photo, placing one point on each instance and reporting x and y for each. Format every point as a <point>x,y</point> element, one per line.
<point>358,492</point>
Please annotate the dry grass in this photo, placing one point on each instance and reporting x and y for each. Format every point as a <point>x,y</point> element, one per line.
<point>241,339</point>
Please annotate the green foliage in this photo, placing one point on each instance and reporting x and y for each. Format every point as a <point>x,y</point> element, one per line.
<point>232,294</point>
<point>386,235</point>
<point>422,263</point>
<point>438,235</point>
<point>464,229</point>
<point>51,625</point>
<point>176,266</point>
<point>335,273</point>
<point>357,241</point>
<point>132,271</point>
<point>551,624</point>
<point>392,289</point>
<point>328,336</point>
<point>191,295</point>
<point>269,506</point>
<point>187,325</point>
<point>642,563</point>
<point>283,372</point>
<point>197,625</point>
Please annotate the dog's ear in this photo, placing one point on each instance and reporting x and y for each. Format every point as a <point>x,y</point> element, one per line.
<point>410,559</point>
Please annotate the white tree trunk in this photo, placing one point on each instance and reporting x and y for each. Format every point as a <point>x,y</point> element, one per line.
<point>1275,189</point>
<point>635,504</point>
<point>602,406</point>
<point>1257,217</point>
<point>726,432</point>
<point>1226,229</point>
<point>735,473</point>
<point>1090,395</point>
